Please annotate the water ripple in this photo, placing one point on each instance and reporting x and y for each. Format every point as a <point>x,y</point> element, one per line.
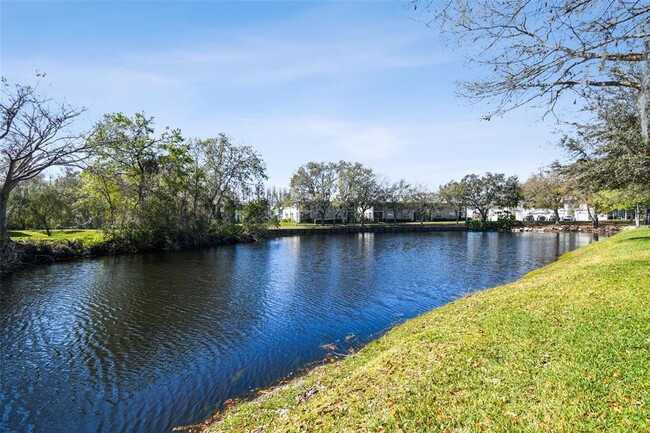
<point>144,343</point>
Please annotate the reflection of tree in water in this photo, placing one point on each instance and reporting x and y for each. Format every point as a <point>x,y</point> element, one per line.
<point>496,258</point>
<point>330,268</point>
<point>173,334</point>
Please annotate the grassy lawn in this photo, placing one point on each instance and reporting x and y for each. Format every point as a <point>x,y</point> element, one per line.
<point>566,348</point>
<point>56,234</point>
<point>291,224</point>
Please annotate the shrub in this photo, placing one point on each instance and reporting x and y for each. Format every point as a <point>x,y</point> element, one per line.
<point>505,222</point>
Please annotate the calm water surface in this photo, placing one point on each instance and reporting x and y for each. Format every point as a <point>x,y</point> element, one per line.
<point>145,343</point>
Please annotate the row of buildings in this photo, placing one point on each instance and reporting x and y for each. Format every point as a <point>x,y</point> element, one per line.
<point>385,214</point>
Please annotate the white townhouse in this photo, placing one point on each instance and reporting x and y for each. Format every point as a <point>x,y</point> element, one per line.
<point>568,212</point>
<point>379,213</point>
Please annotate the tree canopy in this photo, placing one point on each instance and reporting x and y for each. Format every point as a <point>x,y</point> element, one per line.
<point>544,49</point>
<point>313,186</point>
<point>453,194</point>
<point>548,189</point>
<point>610,154</point>
<point>492,190</point>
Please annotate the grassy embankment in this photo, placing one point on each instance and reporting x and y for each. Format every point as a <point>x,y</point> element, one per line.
<point>83,235</point>
<point>564,349</point>
<point>36,247</point>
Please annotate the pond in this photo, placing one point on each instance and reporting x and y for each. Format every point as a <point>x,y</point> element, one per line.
<point>148,342</point>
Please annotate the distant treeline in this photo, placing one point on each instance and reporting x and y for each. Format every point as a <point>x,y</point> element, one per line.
<point>150,189</point>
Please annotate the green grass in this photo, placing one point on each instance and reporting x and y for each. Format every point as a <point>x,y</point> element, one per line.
<point>291,224</point>
<point>87,237</point>
<point>564,349</point>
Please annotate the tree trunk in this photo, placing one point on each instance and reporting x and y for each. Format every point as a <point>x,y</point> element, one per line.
<point>593,217</point>
<point>4,234</point>
<point>363,217</point>
<point>637,215</point>
<point>46,226</point>
<point>644,97</point>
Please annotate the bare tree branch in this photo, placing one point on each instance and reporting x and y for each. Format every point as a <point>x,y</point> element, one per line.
<point>541,49</point>
<point>34,135</point>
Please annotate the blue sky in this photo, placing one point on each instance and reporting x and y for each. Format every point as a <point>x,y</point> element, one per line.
<point>299,81</point>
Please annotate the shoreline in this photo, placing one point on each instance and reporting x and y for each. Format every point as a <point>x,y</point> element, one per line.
<point>542,310</point>
<point>35,253</point>
<point>29,254</point>
<point>369,228</point>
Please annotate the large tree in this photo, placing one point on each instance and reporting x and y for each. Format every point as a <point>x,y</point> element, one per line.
<point>313,186</point>
<point>635,198</point>
<point>35,134</point>
<point>609,153</point>
<point>492,190</point>
<point>256,218</point>
<point>137,176</point>
<point>548,189</point>
<point>230,170</point>
<point>612,139</point>
<point>422,199</point>
<point>452,194</point>
<point>543,49</point>
<point>358,189</point>
<point>366,190</point>
<point>345,184</point>
<point>45,204</point>
<point>396,197</point>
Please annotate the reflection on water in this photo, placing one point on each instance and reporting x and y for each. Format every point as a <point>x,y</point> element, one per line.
<point>145,343</point>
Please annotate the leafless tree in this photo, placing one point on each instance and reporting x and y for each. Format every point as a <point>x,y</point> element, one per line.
<point>543,49</point>
<point>34,135</point>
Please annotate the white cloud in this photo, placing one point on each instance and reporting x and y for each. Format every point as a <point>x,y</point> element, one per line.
<point>263,59</point>
<point>304,89</point>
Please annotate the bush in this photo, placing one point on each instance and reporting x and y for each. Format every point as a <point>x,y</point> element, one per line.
<point>505,222</point>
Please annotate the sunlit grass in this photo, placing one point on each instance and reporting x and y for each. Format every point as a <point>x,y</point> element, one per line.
<point>41,235</point>
<point>566,348</point>
<point>291,224</point>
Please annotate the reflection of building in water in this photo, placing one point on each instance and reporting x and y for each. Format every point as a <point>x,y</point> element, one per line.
<point>366,242</point>
<point>292,249</point>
